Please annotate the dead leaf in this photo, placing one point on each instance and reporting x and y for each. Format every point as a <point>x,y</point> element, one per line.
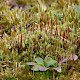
<point>63,61</point>
<point>58,69</point>
<point>73,57</point>
<point>31,63</point>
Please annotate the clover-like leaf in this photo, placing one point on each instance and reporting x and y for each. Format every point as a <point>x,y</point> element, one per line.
<point>47,58</point>
<point>39,61</point>
<point>49,61</point>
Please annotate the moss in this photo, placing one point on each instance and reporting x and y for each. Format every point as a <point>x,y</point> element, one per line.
<point>37,28</point>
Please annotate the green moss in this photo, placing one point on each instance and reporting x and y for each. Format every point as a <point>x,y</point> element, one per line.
<point>55,30</point>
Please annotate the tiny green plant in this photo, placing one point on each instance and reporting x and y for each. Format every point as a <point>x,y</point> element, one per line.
<point>44,64</point>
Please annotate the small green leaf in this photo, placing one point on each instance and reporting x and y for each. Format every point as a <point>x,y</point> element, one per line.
<point>47,58</point>
<point>39,61</point>
<point>35,68</point>
<point>49,61</point>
